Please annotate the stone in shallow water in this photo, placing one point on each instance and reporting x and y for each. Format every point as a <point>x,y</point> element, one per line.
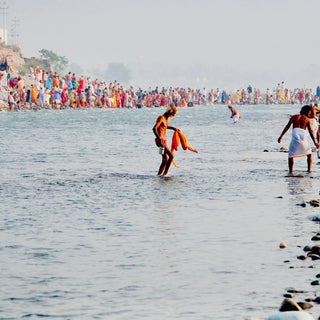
<point>282,245</point>
<point>316,238</point>
<point>289,305</point>
<point>305,305</point>
<point>315,203</point>
<point>316,249</point>
<point>307,248</point>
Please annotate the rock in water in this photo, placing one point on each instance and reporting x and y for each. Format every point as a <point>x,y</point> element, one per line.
<point>289,305</point>
<point>315,203</point>
<point>282,245</point>
<point>305,305</point>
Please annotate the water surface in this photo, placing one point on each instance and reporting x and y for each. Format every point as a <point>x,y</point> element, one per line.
<point>88,230</point>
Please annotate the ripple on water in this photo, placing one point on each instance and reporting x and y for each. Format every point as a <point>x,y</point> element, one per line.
<point>90,231</point>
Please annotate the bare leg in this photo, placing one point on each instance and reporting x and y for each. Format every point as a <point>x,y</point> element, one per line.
<point>309,161</point>
<point>168,164</point>
<point>163,164</point>
<point>290,163</point>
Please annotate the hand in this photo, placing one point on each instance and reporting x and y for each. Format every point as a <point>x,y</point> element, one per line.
<point>317,145</point>
<point>279,139</point>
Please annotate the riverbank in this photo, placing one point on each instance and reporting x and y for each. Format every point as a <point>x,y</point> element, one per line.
<point>34,89</point>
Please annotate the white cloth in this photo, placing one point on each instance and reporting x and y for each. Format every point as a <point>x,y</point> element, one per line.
<point>236,118</point>
<point>300,145</point>
<point>314,126</point>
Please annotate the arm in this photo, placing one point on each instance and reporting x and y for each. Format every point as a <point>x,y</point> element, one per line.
<point>173,128</point>
<point>312,135</point>
<point>286,128</point>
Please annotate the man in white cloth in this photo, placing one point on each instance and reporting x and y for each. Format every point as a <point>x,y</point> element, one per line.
<point>235,115</point>
<point>300,145</point>
<point>314,119</point>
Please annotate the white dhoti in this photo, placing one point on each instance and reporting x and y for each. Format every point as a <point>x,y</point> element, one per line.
<point>300,145</point>
<point>236,118</point>
<point>314,126</point>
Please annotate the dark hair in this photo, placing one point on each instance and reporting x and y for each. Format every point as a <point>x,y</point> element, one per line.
<point>305,110</point>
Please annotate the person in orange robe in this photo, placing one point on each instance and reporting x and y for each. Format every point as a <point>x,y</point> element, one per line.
<point>33,94</point>
<point>159,130</point>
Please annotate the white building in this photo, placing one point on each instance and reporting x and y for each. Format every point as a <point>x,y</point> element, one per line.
<point>4,36</point>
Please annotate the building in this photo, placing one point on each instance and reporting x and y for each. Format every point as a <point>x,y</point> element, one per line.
<point>4,36</point>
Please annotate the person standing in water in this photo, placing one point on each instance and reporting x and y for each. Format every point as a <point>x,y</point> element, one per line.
<point>159,129</point>
<point>235,115</point>
<point>300,145</point>
<point>314,119</point>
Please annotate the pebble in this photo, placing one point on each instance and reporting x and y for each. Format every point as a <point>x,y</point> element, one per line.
<point>315,249</point>
<point>314,256</point>
<point>303,204</point>
<point>316,300</point>
<point>316,238</point>
<point>295,291</point>
<point>289,305</point>
<point>315,203</point>
<point>289,295</point>
<point>282,245</point>
<point>305,305</point>
<point>307,248</point>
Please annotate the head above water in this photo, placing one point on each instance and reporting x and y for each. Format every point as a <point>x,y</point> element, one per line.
<point>305,110</point>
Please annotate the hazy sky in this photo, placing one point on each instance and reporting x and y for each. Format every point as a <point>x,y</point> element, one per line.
<point>248,36</point>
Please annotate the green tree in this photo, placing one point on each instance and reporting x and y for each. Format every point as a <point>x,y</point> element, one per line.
<point>117,72</point>
<point>59,63</point>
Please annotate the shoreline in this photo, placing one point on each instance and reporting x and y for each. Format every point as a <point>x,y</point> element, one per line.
<point>39,88</point>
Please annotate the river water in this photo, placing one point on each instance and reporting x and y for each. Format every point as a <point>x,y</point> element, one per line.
<point>89,231</point>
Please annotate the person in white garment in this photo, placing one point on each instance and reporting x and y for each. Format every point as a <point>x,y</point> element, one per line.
<point>300,145</point>
<point>235,115</point>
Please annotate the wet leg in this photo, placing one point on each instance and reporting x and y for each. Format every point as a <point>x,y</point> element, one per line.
<point>168,164</point>
<point>309,161</point>
<point>163,164</point>
<point>290,163</point>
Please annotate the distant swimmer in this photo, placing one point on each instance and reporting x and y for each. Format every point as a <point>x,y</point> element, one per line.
<point>300,145</point>
<point>159,129</point>
<point>235,115</point>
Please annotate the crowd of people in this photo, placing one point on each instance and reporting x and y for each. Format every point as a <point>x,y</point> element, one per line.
<point>50,90</point>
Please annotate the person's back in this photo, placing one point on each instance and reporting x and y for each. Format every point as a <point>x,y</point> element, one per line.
<point>300,121</point>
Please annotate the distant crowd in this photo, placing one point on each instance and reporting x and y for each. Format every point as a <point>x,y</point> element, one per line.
<point>52,91</point>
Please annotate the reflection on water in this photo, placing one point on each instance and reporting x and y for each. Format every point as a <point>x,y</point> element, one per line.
<point>300,185</point>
